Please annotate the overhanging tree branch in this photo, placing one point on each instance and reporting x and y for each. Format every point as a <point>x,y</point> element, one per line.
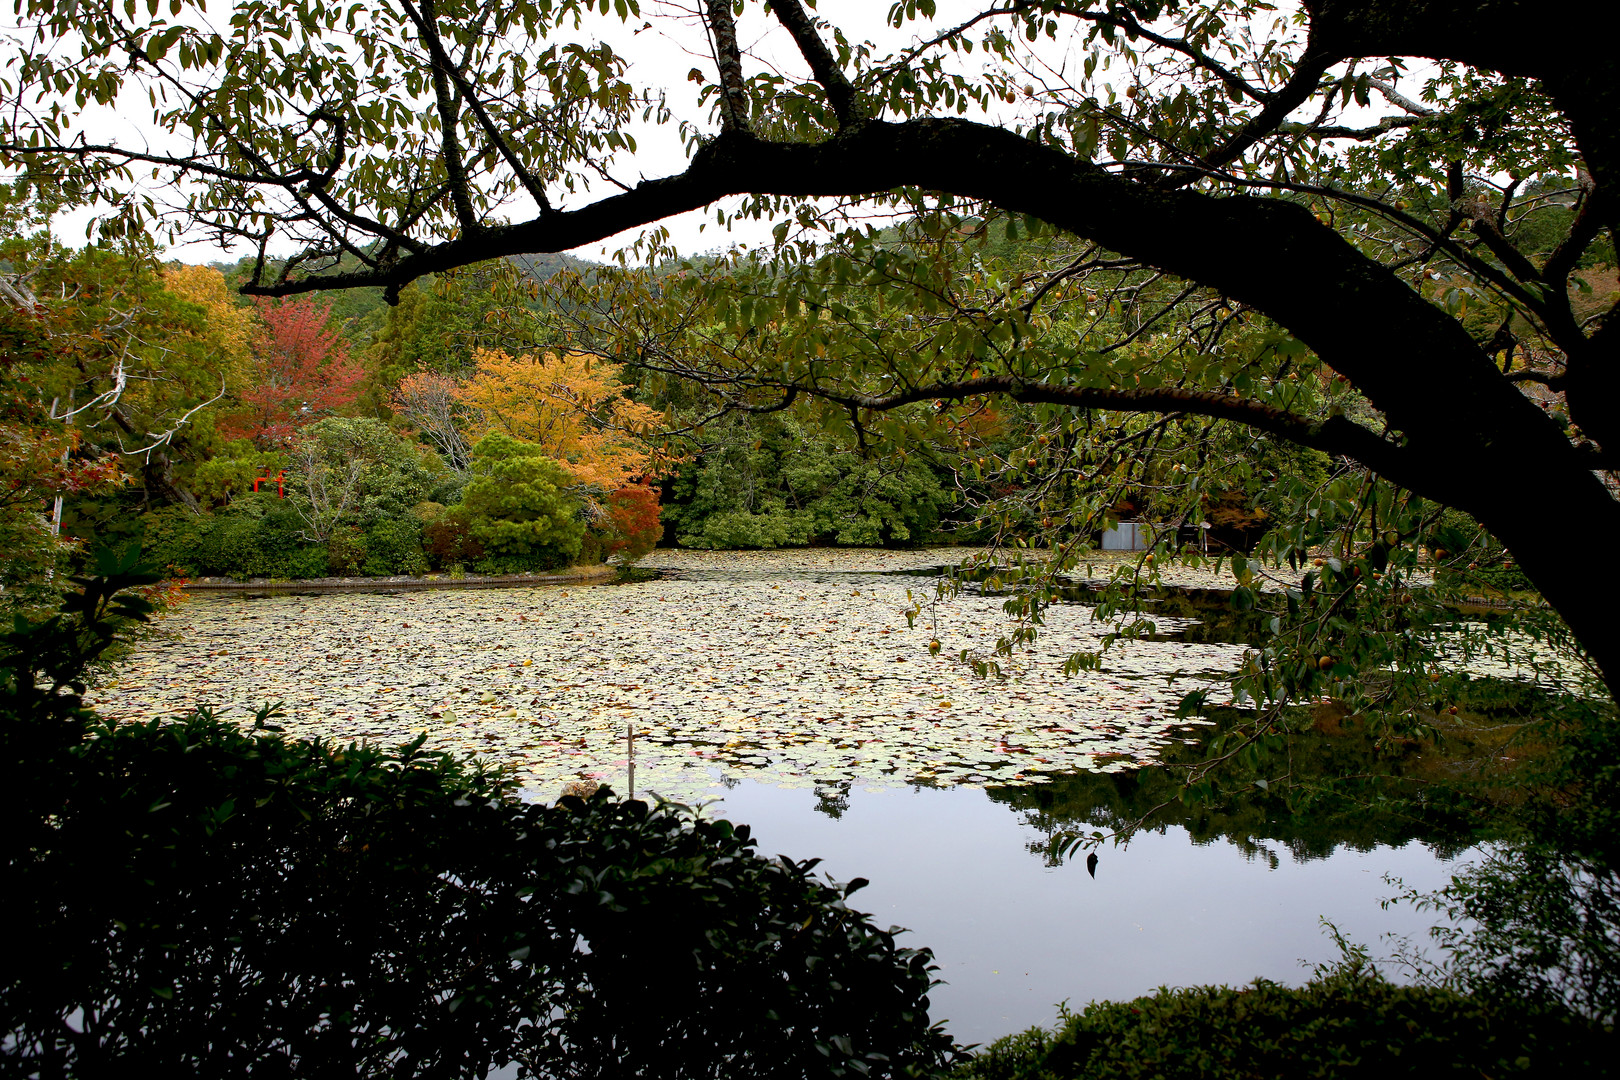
<point>469,93</point>
<point>439,67</point>
<point>734,106</point>
<point>1336,436</point>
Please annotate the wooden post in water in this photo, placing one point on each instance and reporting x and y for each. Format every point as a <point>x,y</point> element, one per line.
<point>630,740</point>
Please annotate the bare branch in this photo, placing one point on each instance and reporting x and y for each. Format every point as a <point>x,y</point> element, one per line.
<point>1399,100</point>
<point>167,436</point>
<point>1383,127</point>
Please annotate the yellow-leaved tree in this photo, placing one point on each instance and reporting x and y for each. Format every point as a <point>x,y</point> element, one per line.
<point>229,325</point>
<point>573,405</point>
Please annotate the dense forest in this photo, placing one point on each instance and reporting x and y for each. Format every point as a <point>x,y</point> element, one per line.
<point>491,421</point>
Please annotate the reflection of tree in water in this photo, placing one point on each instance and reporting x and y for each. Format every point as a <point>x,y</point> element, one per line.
<point>833,799</point>
<point>1318,791</point>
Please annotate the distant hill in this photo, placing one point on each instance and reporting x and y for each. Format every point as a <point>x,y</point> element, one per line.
<point>543,266</point>
<point>361,309</point>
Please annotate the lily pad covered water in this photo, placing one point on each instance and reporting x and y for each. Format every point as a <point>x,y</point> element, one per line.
<point>797,669</point>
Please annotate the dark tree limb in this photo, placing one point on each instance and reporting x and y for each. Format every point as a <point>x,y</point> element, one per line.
<point>1120,19</point>
<point>1585,228</point>
<point>1294,93</point>
<point>846,104</point>
<point>455,167</point>
<point>1336,436</point>
<point>469,94</point>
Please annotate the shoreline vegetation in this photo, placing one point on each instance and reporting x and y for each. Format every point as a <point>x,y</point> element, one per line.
<point>585,574</point>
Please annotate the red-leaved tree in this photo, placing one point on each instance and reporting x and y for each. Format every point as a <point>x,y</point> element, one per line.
<point>301,371</point>
<point>634,510</point>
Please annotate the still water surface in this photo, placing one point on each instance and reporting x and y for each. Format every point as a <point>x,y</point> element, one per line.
<point>1014,936</point>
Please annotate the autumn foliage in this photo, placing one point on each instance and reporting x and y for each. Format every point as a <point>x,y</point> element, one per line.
<point>572,406</point>
<point>230,326</point>
<point>40,458</point>
<point>634,510</point>
<point>299,370</point>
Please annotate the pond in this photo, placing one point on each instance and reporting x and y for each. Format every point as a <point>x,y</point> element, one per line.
<point>793,689</point>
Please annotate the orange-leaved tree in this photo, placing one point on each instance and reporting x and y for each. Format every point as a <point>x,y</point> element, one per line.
<point>230,326</point>
<point>573,406</point>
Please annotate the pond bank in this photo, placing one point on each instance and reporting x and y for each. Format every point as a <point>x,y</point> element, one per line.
<point>576,575</point>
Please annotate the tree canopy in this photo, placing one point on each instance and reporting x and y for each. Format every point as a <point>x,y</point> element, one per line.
<point>1416,195</point>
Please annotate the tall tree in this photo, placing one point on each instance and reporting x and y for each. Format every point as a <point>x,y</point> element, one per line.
<point>1221,144</point>
<point>299,372</point>
<point>571,405</point>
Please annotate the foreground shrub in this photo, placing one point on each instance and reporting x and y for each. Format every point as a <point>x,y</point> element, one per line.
<point>200,900</point>
<point>1347,1022</point>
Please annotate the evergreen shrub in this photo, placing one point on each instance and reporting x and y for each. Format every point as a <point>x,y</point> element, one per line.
<point>394,546</point>
<point>518,508</point>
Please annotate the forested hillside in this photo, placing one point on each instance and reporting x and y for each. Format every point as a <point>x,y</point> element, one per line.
<point>304,437</point>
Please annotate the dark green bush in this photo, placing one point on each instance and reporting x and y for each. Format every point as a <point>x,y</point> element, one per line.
<point>394,546</point>
<point>173,536</point>
<point>261,536</point>
<point>198,900</point>
<point>345,551</point>
<point>519,508</point>
<point>1347,1022</point>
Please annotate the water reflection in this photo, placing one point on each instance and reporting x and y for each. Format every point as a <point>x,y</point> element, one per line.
<point>1382,808</point>
<point>1015,935</point>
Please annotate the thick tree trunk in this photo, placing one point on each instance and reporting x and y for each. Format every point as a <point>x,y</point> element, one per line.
<point>1558,533</point>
